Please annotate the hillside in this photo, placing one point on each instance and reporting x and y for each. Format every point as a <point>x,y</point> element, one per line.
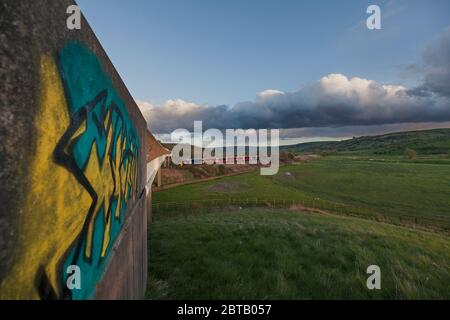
<point>385,190</point>
<point>310,231</point>
<point>427,142</point>
<point>260,253</point>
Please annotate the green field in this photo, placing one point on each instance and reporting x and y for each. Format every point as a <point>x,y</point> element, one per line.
<point>393,190</point>
<point>311,231</point>
<point>261,253</point>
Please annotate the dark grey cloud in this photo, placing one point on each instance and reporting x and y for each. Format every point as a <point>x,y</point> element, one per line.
<point>333,101</point>
<point>356,131</point>
<point>436,68</point>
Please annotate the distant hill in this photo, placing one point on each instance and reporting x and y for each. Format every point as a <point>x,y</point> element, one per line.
<point>426,142</point>
<point>225,150</point>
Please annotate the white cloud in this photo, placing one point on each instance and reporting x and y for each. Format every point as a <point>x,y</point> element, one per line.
<point>333,101</point>
<point>268,93</point>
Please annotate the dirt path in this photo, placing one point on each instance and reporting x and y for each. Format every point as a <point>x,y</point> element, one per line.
<point>177,184</point>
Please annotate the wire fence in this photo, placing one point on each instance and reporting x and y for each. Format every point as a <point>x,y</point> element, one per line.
<point>318,205</point>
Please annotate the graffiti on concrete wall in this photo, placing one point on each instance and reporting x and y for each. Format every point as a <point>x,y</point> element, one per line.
<point>83,178</point>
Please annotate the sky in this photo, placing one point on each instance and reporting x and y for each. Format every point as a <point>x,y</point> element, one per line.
<point>307,65</point>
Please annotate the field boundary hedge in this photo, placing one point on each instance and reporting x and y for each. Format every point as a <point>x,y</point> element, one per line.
<point>317,205</point>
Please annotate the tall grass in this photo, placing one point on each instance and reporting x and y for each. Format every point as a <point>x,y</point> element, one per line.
<point>399,192</point>
<point>256,253</point>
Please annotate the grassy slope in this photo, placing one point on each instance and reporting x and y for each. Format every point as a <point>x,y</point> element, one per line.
<point>391,189</point>
<point>260,253</point>
<point>425,142</point>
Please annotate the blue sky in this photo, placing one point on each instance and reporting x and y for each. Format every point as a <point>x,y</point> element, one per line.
<point>221,52</point>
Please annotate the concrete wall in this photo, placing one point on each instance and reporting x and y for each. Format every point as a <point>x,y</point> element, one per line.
<point>72,161</point>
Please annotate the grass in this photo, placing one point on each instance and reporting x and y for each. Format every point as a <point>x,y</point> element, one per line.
<point>390,188</point>
<point>259,253</point>
<point>425,142</point>
<point>205,251</point>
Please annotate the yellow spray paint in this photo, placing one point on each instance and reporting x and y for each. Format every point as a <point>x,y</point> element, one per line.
<point>52,218</point>
<point>56,204</point>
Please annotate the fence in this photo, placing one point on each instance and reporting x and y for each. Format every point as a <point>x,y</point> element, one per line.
<point>318,205</point>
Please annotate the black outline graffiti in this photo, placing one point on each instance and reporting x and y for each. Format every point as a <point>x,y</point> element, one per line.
<point>63,155</point>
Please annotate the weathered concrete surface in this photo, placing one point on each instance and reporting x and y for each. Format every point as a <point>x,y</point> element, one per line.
<point>149,207</point>
<point>126,277</point>
<point>55,191</point>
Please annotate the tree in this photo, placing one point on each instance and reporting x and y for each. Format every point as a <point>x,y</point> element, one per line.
<point>410,153</point>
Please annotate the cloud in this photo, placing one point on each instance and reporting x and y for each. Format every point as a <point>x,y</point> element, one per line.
<point>435,68</point>
<point>175,114</point>
<point>333,101</point>
<point>268,93</point>
<point>355,131</point>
